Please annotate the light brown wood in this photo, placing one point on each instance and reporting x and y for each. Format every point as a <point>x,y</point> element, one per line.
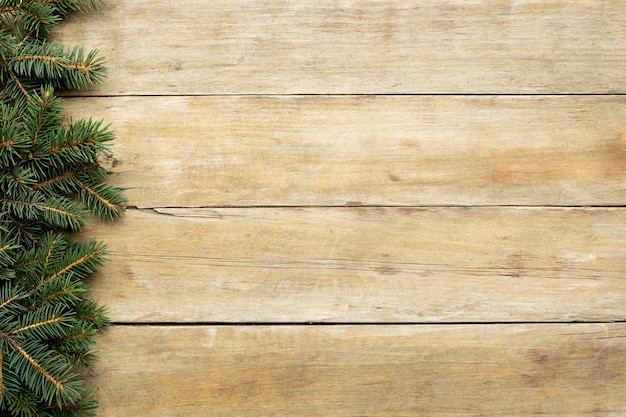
<point>240,151</point>
<point>227,123</point>
<point>357,46</point>
<point>492,370</point>
<point>365,265</point>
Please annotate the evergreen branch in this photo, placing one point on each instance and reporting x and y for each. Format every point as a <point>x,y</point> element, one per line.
<point>56,210</point>
<point>43,58</point>
<point>53,320</point>
<point>47,260</point>
<point>67,182</point>
<point>42,371</point>
<point>63,291</point>
<point>39,60</point>
<point>7,256</point>
<point>2,387</point>
<point>15,187</point>
<point>40,118</point>
<point>74,5</point>
<point>50,181</point>
<point>19,84</point>
<point>9,301</point>
<point>43,207</point>
<point>14,143</point>
<point>80,67</point>
<point>6,144</point>
<point>79,336</point>
<point>74,144</point>
<point>37,16</point>
<point>82,406</point>
<point>50,177</point>
<point>59,178</point>
<point>84,71</point>
<point>25,38</point>
<point>30,14</point>
<point>92,314</point>
<point>23,230</point>
<point>113,205</point>
<point>78,262</point>
<point>15,179</point>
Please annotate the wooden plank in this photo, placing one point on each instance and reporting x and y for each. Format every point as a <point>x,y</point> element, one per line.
<point>309,150</point>
<point>570,370</point>
<point>357,46</point>
<point>365,265</point>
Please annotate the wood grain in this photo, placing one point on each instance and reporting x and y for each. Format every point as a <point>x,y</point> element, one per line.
<point>357,46</point>
<point>491,370</point>
<point>366,166</point>
<point>365,265</point>
<point>310,150</point>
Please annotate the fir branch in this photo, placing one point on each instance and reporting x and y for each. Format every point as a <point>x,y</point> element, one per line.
<point>93,314</point>
<point>55,211</point>
<point>107,202</point>
<point>43,116</point>
<point>24,39</point>
<point>85,260</point>
<point>58,385</point>
<point>19,85</point>
<point>75,5</point>
<point>104,202</point>
<point>2,387</point>
<point>59,211</point>
<point>53,320</point>
<point>70,145</point>
<point>47,59</point>
<point>23,231</point>
<point>51,246</point>
<point>49,181</point>
<point>37,17</point>
<point>10,300</point>
<point>72,294</point>
<point>50,177</point>
<point>79,336</point>
<point>41,60</point>
<point>6,144</point>
<point>84,71</point>
<point>61,178</point>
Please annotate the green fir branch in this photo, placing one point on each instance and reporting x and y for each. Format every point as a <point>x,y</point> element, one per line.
<point>50,179</point>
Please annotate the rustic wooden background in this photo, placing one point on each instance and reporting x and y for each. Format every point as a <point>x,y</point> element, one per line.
<point>363,208</point>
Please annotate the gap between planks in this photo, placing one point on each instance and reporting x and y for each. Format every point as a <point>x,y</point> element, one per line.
<point>229,95</point>
<point>156,210</point>
<point>340,323</point>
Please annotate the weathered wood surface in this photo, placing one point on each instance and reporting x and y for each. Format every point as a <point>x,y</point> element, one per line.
<point>230,106</point>
<point>365,47</point>
<point>310,150</point>
<point>436,371</point>
<point>365,265</point>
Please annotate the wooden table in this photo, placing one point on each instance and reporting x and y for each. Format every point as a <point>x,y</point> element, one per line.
<point>362,208</point>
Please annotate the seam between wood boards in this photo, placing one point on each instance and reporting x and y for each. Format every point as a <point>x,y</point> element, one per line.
<point>162,211</point>
<point>348,323</point>
<point>156,210</point>
<point>355,95</point>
